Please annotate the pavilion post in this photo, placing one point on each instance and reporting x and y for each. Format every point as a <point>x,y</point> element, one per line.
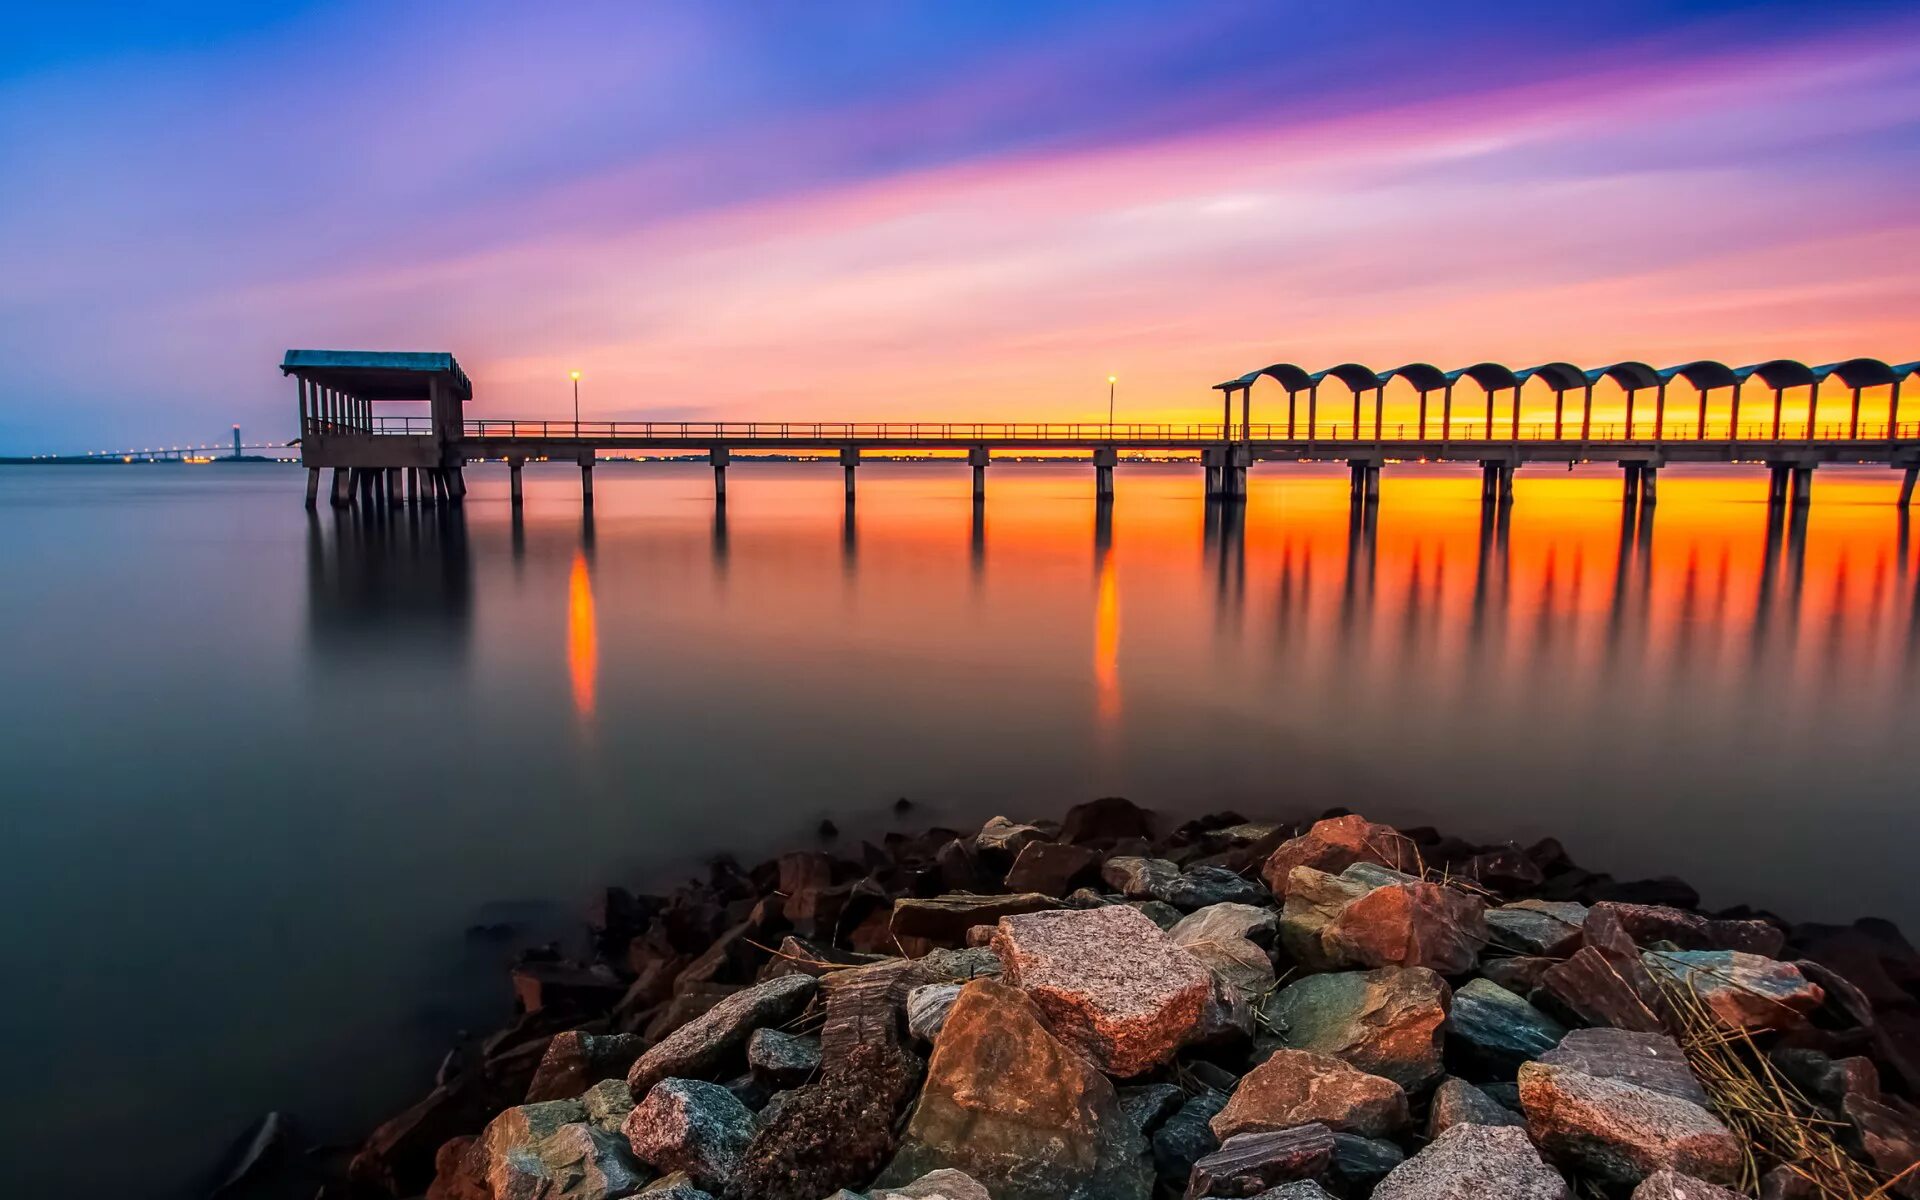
<point>1487,434</point>
<point>1586,414</point>
<point>1660,411</point>
<point>1226,414</point>
<point>1779,404</point>
<point>1559,411</point>
<point>1313,412</point>
<point>1446,417</point>
<point>1246,412</point>
<point>1700,432</point>
<point>1293,402</point>
<point>1813,410</point>
<point>1423,415</point>
<point>1853,422</point>
<point>1733,418</point>
<point>1516,414</point>
<point>1356,414</point>
<point>1893,412</point>
<point>1629,432</point>
<point>1379,410</point>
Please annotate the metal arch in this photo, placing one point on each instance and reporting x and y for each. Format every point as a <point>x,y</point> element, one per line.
<point>1425,377</point>
<point>1287,375</point>
<point>1905,369</point>
<point>1357,378</point>
<point>1703,374</point>
<point>1858,372</point>
<point>1777,373</point>
<point>1560,376</point>
<point>1632,375</point>
<point>1492,376</point>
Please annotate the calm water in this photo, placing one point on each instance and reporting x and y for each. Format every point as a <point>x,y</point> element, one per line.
<point>261,770</point>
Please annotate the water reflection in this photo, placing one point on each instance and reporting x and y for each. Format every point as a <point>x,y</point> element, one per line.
<point>583,645</point>
<point>1106,619</point>
<point>388,581</point>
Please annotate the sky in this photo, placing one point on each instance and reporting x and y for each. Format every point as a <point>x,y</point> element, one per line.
<point>900,210</point>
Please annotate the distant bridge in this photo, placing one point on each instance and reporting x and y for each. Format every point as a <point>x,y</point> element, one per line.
<point>150,454</point>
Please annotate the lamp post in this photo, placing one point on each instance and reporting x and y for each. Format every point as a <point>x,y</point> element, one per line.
<point>1112,380</point>
<point>576,402</point>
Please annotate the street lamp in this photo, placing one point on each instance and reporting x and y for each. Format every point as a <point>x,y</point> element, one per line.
<point>1112,380</point>
<point>575,376</point>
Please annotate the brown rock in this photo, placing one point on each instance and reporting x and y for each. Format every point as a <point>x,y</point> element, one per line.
<point>1216,936</point>
<point>1475,1162</point>
<point>1003,840</point>
<point>1623,1132</point>
<point>1649,923</point>
<point>1105,821</point>
<point>1052,868</point>
<point>1252,1162</point>
<point>575,1061</point>
<point>1295,1087</point>
<point>701,1046</point>
<point>1744,991</point>
<point>946,919</point>
<point>1389,1022</point>
<point>1108,980</point>
<point>1550,928</point>
<point>1672,1185</point>
<point>1369,917</point>
<point>1889,1131</point>
<point>1605,982</point>
<point>567,987</point>
<point>1457,1102</point>
<point>1335,844</point>
<point>1651,1060</point>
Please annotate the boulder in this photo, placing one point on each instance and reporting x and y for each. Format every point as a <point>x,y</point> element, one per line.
<point>1457,1102</point>
<point>1231,956</point>
<point>1622,1132</point>
<point>1163,880</point>
<point>1475,1162</point>
<point>1387,1022</point>
<point>1003,840</point>
<point>575,1162</point>
<point>1106,820</point>
<point>1335,844</point>
<point>1150,1104</point>
<point>677,1186</point>
<point>946,919</point>
<point>1360,1162</point>
<point>693,1126</point>
<point>1605,982</point>
<point>1298,1087</point>
<point>1369,917</point>
<point>1109,981</point>
<point>1250,1163</point>
<point>1018,1109</point>
<point>1672,1185</point>
<point>1743,991</point>
<point>1226,922</point>
<point>944,1184</point>
<point>1491,1031</point>
<point>782,1060</point>
<point>1051,868</point>
<point>1889,1133</point>
<point>575,1061</point>
<point>608,1103</point>
<point>1651,1060</point>
<point>702,1045</point>
<point>1186,1137</point>
<point>927,1007</point>
<point>1548,928</point>
<point>1650,923</point>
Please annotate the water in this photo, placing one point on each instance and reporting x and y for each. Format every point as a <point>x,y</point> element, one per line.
<point>262,770</point>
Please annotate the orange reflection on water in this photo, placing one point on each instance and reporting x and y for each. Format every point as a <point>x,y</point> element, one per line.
<point>1106,641</point>
<point>583,646</point>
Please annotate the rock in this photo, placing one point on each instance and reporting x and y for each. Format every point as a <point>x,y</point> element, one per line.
<point>702,1045</point>
<point>1622,1132</point>
<point>399,1157</point>
<point>1252,1162</point>
<point>1018,1109</point>
<point>1232,958</point>
<point>1051,868</point>
<point>1549,928</point>
<point>946,919</point>
<point>1140,878</point>
<point>1785,1183</point>
<point>1366,917</point>
<point>1003,839</point>
<point>1650,923</point>
<point>1362,1161</point>
<point>1889,1131</point>
<point>1744,991</point>
<point>1165,915</point>
<point>1335,844</point>
<point>692,1126</point>
<point>1491,1031</point>
<point>677,1186</point>
<point>782,1060</point>
<point>566,987</point>
<point>1186,1137</point>
<point>1522,976</point>
<point>1387,1022</point>
<point>608,1103</point>
<point>575,1061</point>
<point>1605,982</point>
<point>1506,870</point>
<point>1226,1017</point>
<point>1298,1087</point>
<point>1106,820</point>
<point>1457,1102</point>
<point>1149,1105</point>
<point>1109,982</point>
<point>1672,1185</point>
<point>1651,1060</point>
<point>927,1008</point>
<point>577,1162</point>
<point>1163,880</point>
<point>1226,922</point>
<point>1475,1162</point>
<point>1824,1079</point>
<point>944,1184</point>
<point>798,956</point>
<point>1299,1189</point>
<point>686,1007</point>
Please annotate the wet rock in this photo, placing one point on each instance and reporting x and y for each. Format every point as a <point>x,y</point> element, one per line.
<point>1651,1060</point>
<point>1052,868</point>
<point>1109,981</point>
<point>927,1008</point>
<point>703,1045</point>
<point>1149,1105</point>
<point>1363,1161</point>
<point>608,1103</point>
<point>782,1060</point>
<point>1002,840</point>
<point>1186,1137</point>
<point>1475,1162</point>
<point>1744,991</point>
<point>1549,928</point>
<point>1297,1087</point>
<point>1457,1102</point>
<point>1387,1022</point>
<point>1491,1031</point>
<point>1250,1163</point>
<point>1333,845</point>
<point>1672,1185</point>
<point>1650,923</point>
<point>575,1061</point>
<point>944,1184</point>
<point>1105,821</point>
<point>1620,1131</point>
<point>1368,917</point>
<point>946,919</point>
<point>1018,1109</point>
<point>692,1126</point>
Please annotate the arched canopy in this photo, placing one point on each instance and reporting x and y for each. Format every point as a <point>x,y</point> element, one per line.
<point>1777,373</point>
<point>1906,369</point>
<point>1704,374</point>
<point>1630,375</point>
<point>1424,377</point>
<point>1858,372</point>
<point>1489,375</point>
<point>1355,376</point>
<point>1288,376</point>
<point>1560,376</point>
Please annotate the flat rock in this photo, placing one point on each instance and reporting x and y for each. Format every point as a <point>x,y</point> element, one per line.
<point>1018,1109</point>
<point>1388,1022</point>
<point>1052,868</point>
<point>946,919</point>
<point>1651,1060</point>
<point>927,1007</point>
<point>702,1045</point>
<point>1249,922</point>
<point>1491,1031</point>
<point>782,1060</point>
<point>1109,981</point>
<point>1548,928</point>
<point>1298,1087</point>
<point>1457,1102</point>
<point>944,1184</point>
<point>1250,1163</point>
<point>1650,923</point>
<point>1475,1162</point>
<point>1335,844</point>
<point>1620,1131</point>
<point>693,1126</point>
<point>575,1061</point>
<point>1744,991</point>
<point>1369,917</point>
<point>1672,1185</point>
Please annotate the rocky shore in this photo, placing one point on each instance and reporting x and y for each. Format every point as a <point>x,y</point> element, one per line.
<point>1107,1009</point>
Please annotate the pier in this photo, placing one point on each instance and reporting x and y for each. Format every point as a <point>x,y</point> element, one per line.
<point>361,418</point>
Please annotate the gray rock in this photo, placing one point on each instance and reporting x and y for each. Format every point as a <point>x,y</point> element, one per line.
<point>1150,1104</point>
<point>692,1126</point>
<point>944,1184</point>
<point>1672,1185</point>
<point>575,1162</point>
<point>1491,1031</point>
<point>1160,879</point>
<point>1549,928</point>
<point>927,1007</point>
<point>1226,921</point>
<point>1299,1189</point>
<point>1216,935</point>
<point>504,1156</point>
<point>1457,1102</point>
<point>1743,991</point>
<point>702,1045</point>
<point>1250,1162</point>
<point>608,1103</point>
<point>1139,878</point>
<point>958,966</point>
<point>1651,1060</point>
<point>1186,1137</point>
<point>1363,1160</point>
<point>574,1061</point>
<point>1165,915</point>
<point>676,1187</point>
<point>782,1060</point>
<point>1386,1022</point>
<point>1475,1162</point>
<point>999,836</point>
<point>1620,1131</point>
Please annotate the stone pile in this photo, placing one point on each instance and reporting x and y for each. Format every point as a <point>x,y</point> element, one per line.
<point>1100,1010</point>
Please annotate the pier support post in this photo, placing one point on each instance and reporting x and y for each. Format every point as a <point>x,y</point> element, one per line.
<point>719,457</point>
<point>849,459</point>
<point>1504,483</point>
<point>1233,483</point>
<point>977,458</point>
<point>1632,472</point>
<point>413,485</point>
<point>586,479</point>
<point>1104,460</point>
<point>514,463</point>
<point>1906,486</point>
<point>1777,476</point>
<point>313,488</point>
<point>429,487</point>
<point>1649,477</point>
<point>1489,482</point>
<point>1213,460</point>
<point>1802,486</point>
<point>1371,491</point>
<point>456,484</point>
<point>1356,480</point>
<point>393,486</point>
